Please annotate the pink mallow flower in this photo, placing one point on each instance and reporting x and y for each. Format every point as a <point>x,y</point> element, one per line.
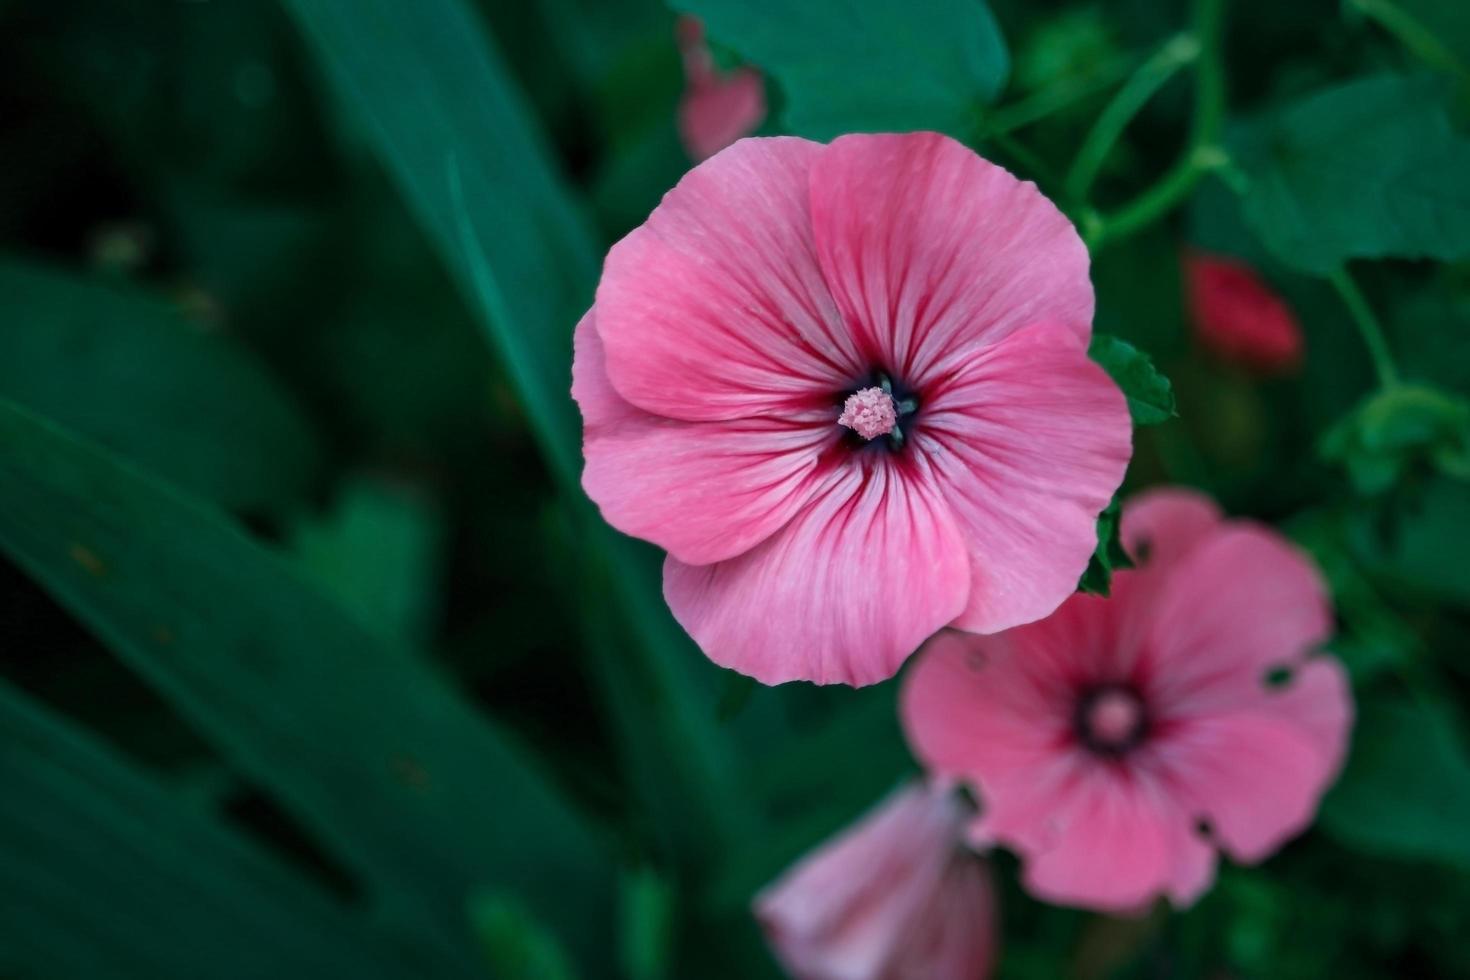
<point>1118,743</point>
<point>716,109</point>
<point>846,387</point>
<point>1238,317</point>
<point>897,896</point>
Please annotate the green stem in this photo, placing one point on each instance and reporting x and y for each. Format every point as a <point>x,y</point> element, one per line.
<point>1050,100</point>
<point>1368,326</point>
<point>1151,76</point>
<point>1410,33</point>
<point>1203,154</point>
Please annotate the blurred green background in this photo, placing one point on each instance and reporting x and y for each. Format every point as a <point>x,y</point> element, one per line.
<point>315,662</point>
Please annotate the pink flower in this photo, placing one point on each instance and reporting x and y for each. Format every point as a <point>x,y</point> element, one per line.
<point>715,110</point>
<point>1116,744</point>
<point>894,897</point>
<point>1238,317</point>
<point>846,387</point>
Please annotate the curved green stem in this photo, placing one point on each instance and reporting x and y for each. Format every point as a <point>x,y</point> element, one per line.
<point>1151,76</point>
<point>1368,326</point>
<point>1411,34</point>
<point>1203,154</point>
<point>1052,99</point>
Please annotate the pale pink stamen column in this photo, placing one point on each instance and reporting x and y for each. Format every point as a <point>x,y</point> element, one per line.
<point>1113,718</point>
<point>870,413</point>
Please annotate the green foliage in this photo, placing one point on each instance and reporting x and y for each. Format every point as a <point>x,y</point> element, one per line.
<point>109,875</point>
<point>1150,395</point>
<point>367,746</point>
<point>1395,429</point>
<point>1367,169</point>
<point>435,100</point>
<point>515,944</point>
<point>1110,555</point>
<point>1407,786</point>
<point>131,372</point>
<point>876,66</point>
<point>377,551</point>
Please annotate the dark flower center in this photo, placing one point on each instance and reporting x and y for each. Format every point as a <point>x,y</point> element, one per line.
<point>877,412</point>
<point>1111,719</point>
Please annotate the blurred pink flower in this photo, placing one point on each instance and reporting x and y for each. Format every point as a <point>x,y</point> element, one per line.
<point>715,110</point>
<point>896,896</point>
<point>1116,744</point>
<point>1238,317</point>
<point>816,537</point>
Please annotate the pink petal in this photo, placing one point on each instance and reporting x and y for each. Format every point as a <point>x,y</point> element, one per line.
<point>956,936</point>
<point>1118,840</point>
<point>981,707</point>
<point>1031,439</point>
<point>715,111</point>
<point>704,491</point>
<point>1242,602</point>
<point>715,307</point>
<point>931,250</point>
<point>1161,525</point>
<point>894,896</point>
<point>842,594</point>
<point>1256,778</point>
<point>997,712</point>
<point>1318,700</point>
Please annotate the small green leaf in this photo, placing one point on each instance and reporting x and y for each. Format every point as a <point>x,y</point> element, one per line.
<point>1370,169</point>
<point>1397,428</point>
<point>880,65</point>
<point>515,943</point>
<point>125,368</point>
<point>646,936</point>
<point>1406,789</point>
<point>1150,396</point>
<point>364,744</point>
<point>1110,555</point>
<point>378,551</point>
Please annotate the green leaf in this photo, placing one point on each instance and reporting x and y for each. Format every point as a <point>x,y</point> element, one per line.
<point>1406,789</point>
<point>107,875</point>
<point>1150,396</point>
<point>127,370</point>
<point>1370,169</point>
<point>365,745</point>
<point>1397,428</point>
<point>874,66</point>
<point>1109,556</point>
<point>378,551</point>
<point>515,943</point>
<point>647,924</point>
<point>445,118</point>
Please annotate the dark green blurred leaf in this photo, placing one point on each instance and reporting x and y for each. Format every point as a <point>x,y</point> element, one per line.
<point>875,66</point>
<point>455,134</point>
<point>1406,789</point>
<point>515,943</point>
<point>106,875</point>
<point>647,933</point>
<point>1150,396</point>
<point>364,744</point>
<point>378,552</point>
<point>1109,556</point>
<point>1369,169</point>
<point>1423,550</point>
<point>127,370</point>
<point>1397,427</point>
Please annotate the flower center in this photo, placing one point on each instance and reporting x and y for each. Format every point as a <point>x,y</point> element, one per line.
<point>870,412</point>
<point>1111,719</point>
